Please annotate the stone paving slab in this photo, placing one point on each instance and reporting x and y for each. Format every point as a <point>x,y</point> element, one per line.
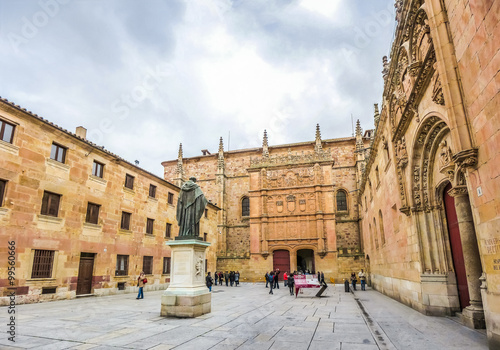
<point>244,317</point>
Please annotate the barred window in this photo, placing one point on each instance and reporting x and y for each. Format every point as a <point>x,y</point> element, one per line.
<point>50,203</point>
<point>147,265</point>
<point>58,153</point>
<point>168,231</point>
<point>166,265</point>
<point>6,131</point>
<point>121,265</point>
<point>149,226</point>
<point>42,264</point>
<point>341,200</point>
<point>92,213</point>
<point>245,206</point>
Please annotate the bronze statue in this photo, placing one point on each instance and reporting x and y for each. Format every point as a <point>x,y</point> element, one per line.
<point>190,208</point>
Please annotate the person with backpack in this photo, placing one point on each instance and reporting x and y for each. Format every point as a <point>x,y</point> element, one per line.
<point>209,281</point>
<point>141,282</point>
<point>291,283</point>
<point>271,282</point>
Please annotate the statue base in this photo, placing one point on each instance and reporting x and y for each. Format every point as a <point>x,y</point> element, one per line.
<point>187,295</point>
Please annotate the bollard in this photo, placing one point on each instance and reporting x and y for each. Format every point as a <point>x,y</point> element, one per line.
<point>346,285</point>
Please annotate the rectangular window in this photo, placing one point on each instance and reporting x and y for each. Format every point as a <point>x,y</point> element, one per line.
<point>147,265</point>
<point>97,169</point>
<point>125,224</point>
<point>170,198</point>
<point>168,231</point>
<point>50,203</point>
<point>166,266</point>
<point>42,264</point>
<point>149,226</point>
<point>6,131</point>
<point>121,265</point>
<point>58,153</point>
<point>3,185</point>
<point>205,236</point>
<point>129,181</point>
<point>206,213</point>
<point>152,191</point>
<point>92,213</point>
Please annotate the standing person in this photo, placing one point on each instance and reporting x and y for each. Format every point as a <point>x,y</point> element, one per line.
<point>353,281</point>
<point>285,278</point>
<point>237,278</point>
<point>271,282</point>
<point>323,279</point>
<point>226,278</point>
<point>267,279</point>
<point>231,278</point>
<point>221,275</point>
<point>216,277</point>
<point>141,281</point>
<point>209,281</point>
<point>276,276</point>
<point>291,282</point>
<point>319,276</point>
<point>362,279</point>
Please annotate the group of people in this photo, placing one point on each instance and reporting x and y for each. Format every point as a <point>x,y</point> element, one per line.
<point>231,278</point>
<point>272,280</point>
<point>362,279</point>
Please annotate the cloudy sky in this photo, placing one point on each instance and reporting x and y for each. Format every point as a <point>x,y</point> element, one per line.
<point>144,76</point>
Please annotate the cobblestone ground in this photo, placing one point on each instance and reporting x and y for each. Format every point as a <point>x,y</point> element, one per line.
<point>244,317</point>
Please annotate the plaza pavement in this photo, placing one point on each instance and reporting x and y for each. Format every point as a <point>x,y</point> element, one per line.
<point>244,317</point>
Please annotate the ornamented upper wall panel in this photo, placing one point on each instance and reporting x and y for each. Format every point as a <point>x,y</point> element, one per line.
<point>297,177</point>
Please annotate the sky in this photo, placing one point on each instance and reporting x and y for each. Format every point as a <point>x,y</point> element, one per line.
<point>144,76</point>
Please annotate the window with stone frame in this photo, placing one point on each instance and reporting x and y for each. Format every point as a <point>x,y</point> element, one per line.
<point>43,260</point>
<point>50,203</point>
<point>245,206</point>
<point>205,236</point>
<point>129,181</point>
<point>125,222</point>
<point>98,169</point>
<point>168,230</point>
<point>149,226</point>
<point>147,265</point>
<point>341,200</point>
<point>206,213</point>
<point>152,191</point>
<point>92,213</point>
<point>6,131</point>
<point>58,153</point>
<point>121,265</point>
<point>166,266</point>
<point>170,198</point>
<point>3,185</point>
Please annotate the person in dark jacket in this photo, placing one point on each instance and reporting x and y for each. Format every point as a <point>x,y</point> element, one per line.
<point>291,283</point>
<point>226,278</point>
<point>353,281</point>
<point>266,277</point>
<point>237,278</point>
<point>276,276</point>
<point>271,282</point>
<point>221,275</point>
<point>209,281</point>
<point>231,278</point>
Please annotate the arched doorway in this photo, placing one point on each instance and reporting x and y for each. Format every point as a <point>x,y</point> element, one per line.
<point>305,260</point>
<point>281,261</point>
<point>456,248</point>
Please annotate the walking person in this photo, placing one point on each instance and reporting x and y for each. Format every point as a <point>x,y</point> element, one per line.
<point>216,277</point>
<point>267,279</point>
<point>271,282</point>
<point>221,275</point>
<point>276,277</point>
<point>231,278</point>
<point>291,283</point>
<point>319,276</point>
<point>353,280</point>
<point>209,281</point>
<point>323,279</point>
<point>226,278</point>
<point>237,278</point>
<point>362,279</point>
<point>285,278</point>
<point>141,282</point>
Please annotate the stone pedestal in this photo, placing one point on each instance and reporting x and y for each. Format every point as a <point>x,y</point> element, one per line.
<point>187,294</point>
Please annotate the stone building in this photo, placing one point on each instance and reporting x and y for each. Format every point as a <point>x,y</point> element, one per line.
<point>82,220</point>
<point>292,207</point>
<point>434,244</point>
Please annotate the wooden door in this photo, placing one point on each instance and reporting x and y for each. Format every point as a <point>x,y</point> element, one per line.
<point>456,248</point>
<point>84,284</point>
<point>281,260</point>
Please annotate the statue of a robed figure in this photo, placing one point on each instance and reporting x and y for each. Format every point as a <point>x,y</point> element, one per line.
<point>190,208</point>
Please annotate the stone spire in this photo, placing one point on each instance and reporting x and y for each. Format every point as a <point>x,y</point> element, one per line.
<point>376,115</point>
<point>180,170</point>
<point>359,136</point>
<point>318,148</point>
<point>385,69</point>
<point>220,161</point>
<point>265,146</point>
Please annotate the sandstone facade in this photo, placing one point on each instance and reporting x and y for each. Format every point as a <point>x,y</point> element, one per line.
<point>434,243</point>
<point>293,221</point>
<point>74,244</point>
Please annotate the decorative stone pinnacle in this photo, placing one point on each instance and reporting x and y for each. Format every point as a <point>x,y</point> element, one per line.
<point>358,128</point>
<point>318,147</point>
<point>180,152</point>
<point>180,169</point>
<point>221,146</point>
<point>376,115</point>
<point>265,146</point>
<point>385,67</point>
<point>220,160</point>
